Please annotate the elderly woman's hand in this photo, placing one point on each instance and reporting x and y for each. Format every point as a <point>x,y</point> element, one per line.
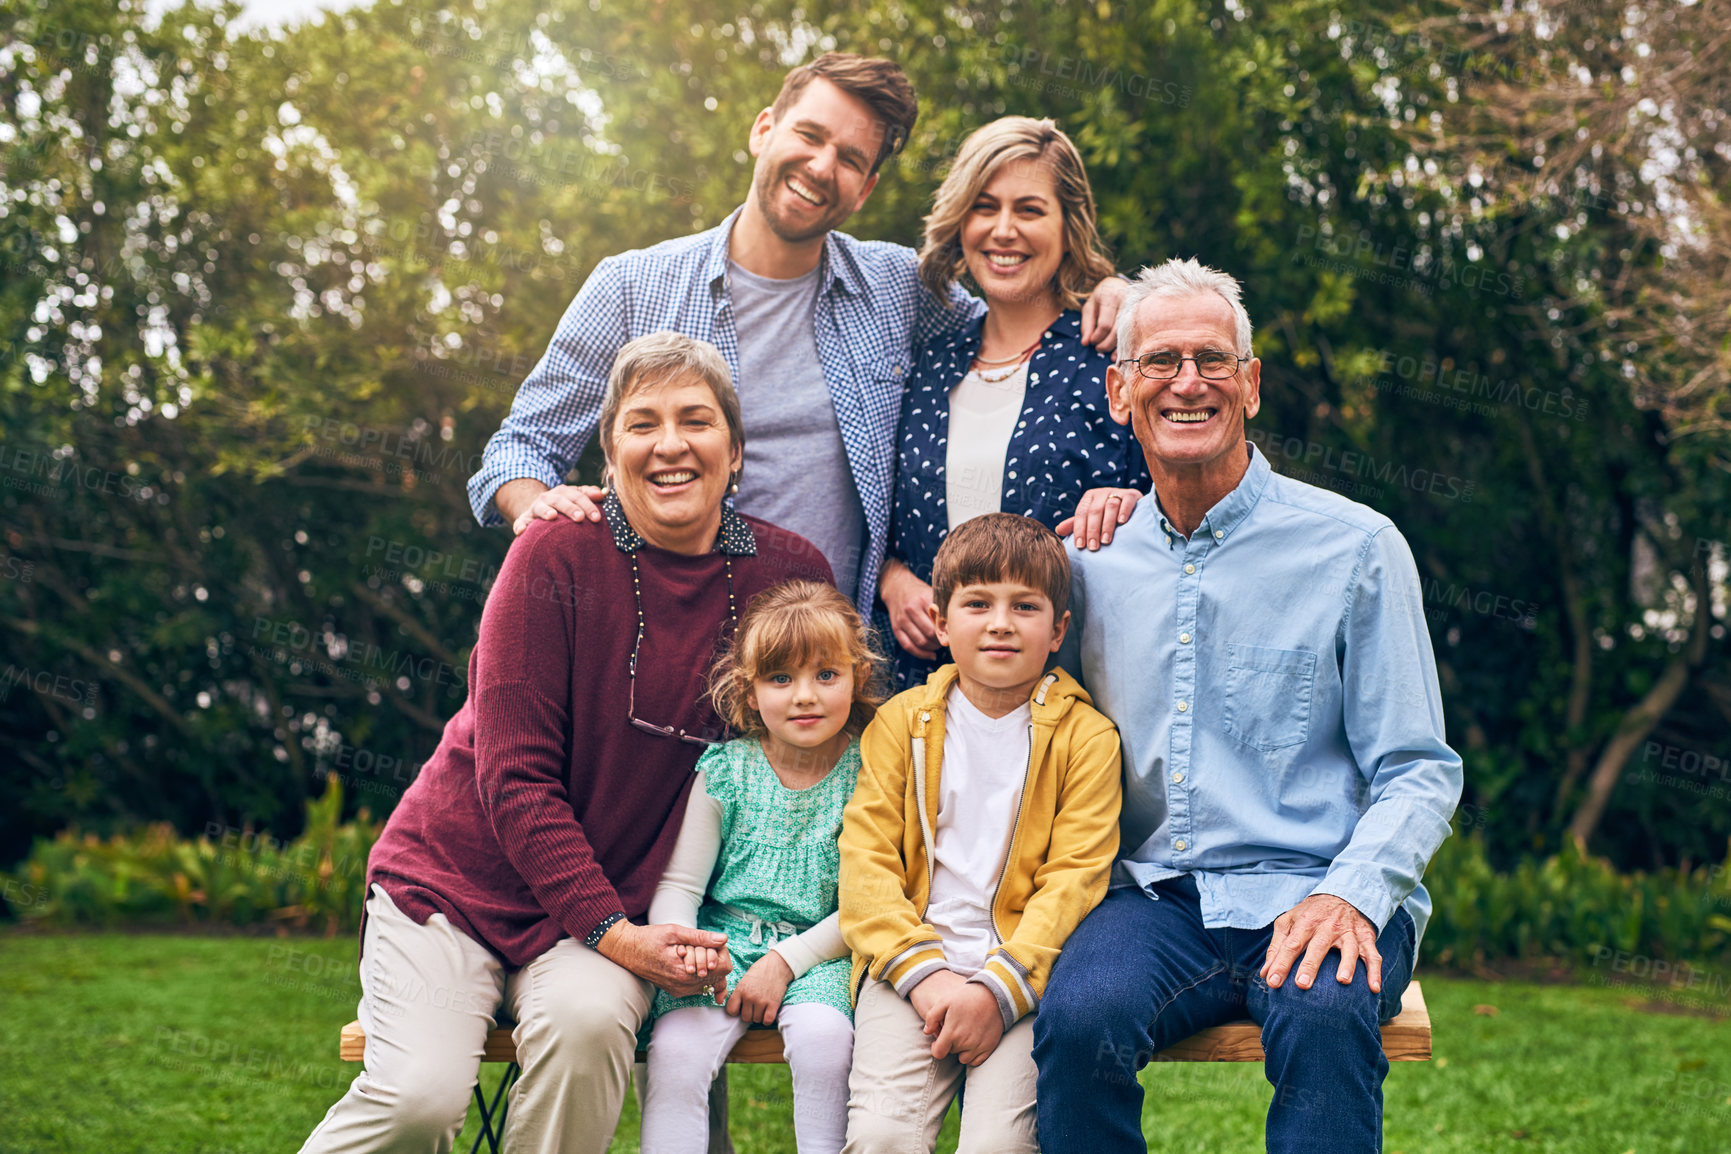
<point>651,952</point>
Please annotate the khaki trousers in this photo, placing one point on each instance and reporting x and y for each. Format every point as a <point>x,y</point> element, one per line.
<point>428,997</point>
<point>898,1093</point>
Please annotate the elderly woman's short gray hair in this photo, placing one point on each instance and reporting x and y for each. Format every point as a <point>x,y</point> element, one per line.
<point>1181,278</point>
<point>661,357</point>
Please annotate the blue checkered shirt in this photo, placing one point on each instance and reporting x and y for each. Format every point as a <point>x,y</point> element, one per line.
<point>871,313</point>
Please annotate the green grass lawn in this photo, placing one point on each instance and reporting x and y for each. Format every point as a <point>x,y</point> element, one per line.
<point>115,1044</point>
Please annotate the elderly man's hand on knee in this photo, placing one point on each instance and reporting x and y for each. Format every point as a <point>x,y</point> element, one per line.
<point>1316,925</point>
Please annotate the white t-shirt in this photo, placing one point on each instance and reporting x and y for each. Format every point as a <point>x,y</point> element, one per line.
<point>983,417</point>
<point>979,792</point>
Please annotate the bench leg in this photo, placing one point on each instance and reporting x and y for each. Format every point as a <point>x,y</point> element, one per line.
<point>493,1116</point>
<point>720,1141</point>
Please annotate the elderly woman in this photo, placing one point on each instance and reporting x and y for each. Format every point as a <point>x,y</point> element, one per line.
<point>513,878</point>
<point>1009,414</point>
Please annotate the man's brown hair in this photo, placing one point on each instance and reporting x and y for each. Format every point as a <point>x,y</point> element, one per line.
<point>879,84</point>
<point>1002,547</point>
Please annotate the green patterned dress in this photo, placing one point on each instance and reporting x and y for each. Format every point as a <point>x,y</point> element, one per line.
<point>779,864</point>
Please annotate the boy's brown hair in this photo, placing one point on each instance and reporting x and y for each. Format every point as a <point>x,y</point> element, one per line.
<point>783,628</point>
<point>1002,547</point>
<point>879,84</point>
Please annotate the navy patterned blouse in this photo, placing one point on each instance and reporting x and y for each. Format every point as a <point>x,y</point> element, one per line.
<point>1065,443</point>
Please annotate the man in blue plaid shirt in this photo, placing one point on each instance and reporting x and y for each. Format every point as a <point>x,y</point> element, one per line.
<point>818,328</point>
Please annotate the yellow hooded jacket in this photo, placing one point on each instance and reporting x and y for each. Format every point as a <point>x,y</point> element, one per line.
<point>1055,870</point>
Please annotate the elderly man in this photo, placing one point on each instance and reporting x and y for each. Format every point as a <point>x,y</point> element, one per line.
<point>1261,644</point>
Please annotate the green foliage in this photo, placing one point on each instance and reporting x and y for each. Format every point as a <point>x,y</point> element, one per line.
<point>226,877</point>
<point>1573,909</point>
<point>266,296</point>
<point>1563,908</point>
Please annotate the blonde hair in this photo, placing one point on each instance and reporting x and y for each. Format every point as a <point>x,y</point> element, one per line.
<point>986,151</point>
<point>783,628</point>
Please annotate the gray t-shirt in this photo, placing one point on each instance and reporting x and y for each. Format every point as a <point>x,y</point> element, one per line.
<point>796,470</point>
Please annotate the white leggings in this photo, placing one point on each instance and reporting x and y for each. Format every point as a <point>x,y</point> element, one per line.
<point>688,1047</point>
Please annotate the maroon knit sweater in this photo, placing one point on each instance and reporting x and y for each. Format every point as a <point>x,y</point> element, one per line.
<point>543,810</point>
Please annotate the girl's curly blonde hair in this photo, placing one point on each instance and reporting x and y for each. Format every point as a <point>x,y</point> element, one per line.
<point>782,629</point>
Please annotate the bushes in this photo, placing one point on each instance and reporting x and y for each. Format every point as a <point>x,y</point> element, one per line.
<point>1570,908</point>
<point>240,878</point>
<point>1565,907</point>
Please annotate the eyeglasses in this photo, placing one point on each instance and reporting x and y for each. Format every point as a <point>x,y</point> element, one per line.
<point>702,741</point>
<point>1211,364</point>
<point>663,730</point>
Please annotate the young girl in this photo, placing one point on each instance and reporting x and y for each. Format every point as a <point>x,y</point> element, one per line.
<point>757,860</point>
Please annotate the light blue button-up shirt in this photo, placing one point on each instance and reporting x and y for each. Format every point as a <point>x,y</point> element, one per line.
<point>1274,687</point>
<point>871,313</point>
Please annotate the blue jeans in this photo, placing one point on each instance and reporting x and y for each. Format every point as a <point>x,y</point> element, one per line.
<point>1139,975</point>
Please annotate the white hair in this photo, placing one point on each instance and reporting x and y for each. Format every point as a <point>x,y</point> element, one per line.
<point>1181,278</point>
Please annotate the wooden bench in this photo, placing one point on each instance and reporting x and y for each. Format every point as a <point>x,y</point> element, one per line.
<point>1405,1038</point>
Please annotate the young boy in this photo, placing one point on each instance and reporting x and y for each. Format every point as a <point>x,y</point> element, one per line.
<point>981,832</point>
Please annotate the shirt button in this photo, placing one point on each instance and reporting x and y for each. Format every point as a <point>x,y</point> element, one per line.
<point>1189,568</point>
<point>1177,778</point>
<point>1179,845</point>
<point>1184,638</point>
<point>1219,533</point>
<point>1183,706</point>
<point>1011,474</point>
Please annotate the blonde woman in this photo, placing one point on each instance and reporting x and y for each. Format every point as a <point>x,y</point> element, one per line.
<point>1008,414</point>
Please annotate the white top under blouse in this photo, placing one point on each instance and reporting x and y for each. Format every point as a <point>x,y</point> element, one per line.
<point>983,417</point>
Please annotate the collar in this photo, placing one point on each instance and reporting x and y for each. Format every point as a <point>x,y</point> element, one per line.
<point>835,272</point>
<point>1050,698</point>
<point>734,540</point>
<point>1231,510</point>
<point>1067,329</point>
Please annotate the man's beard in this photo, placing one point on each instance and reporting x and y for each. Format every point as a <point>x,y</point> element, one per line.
<point>767,187</point>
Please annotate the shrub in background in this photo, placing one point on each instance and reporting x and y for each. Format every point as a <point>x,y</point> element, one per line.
<point>1571,908</point>
<point>226,877</point>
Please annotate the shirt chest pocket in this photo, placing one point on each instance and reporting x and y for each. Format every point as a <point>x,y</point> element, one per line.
<point>882,382</point>
<point>1268,693</point>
